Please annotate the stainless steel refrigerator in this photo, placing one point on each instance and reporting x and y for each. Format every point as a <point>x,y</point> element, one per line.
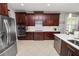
<point>7,36</point>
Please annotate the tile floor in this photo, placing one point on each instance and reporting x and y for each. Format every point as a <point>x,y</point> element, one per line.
<point>36,48</point>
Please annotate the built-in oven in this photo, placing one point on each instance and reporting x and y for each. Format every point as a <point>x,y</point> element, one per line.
<point>21,30</point>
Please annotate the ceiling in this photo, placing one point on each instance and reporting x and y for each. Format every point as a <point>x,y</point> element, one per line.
<point>53,7</point>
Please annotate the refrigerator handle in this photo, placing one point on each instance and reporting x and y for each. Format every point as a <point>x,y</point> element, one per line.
<point>7,29</point>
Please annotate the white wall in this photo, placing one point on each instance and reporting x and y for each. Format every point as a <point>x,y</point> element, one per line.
<point>11,13</point>
<point>62,19</point>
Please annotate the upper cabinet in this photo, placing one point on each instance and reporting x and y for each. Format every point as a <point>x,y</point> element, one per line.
<point>21,18</point>
<point>55,19</point>
<point>47,21</point>
<point>30,19</point>
<point>4,9</point>
<point>51,20</point>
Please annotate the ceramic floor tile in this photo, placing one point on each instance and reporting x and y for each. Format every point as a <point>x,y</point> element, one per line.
<point>36,48</point>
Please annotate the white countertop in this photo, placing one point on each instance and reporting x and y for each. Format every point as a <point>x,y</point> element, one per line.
<point>66,37</point>
<point>41,31</point>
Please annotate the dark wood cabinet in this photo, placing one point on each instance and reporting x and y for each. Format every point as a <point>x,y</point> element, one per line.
<point>64,49</point>
<point>51,20</point>
<point>68,50</point>
<point>4,9</point>
<point>30,19</point>
<point>54,19</point>
<point>29,36</point>
<point>38,36</point>
<point>72,51</point>
<point>48,36</point>
<point>21,18</point>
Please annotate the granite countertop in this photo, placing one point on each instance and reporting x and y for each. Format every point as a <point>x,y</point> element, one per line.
<point>66,37</point>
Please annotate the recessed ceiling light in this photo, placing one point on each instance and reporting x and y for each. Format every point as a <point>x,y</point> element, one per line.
<point>48,4</point>
<point>22,4</point>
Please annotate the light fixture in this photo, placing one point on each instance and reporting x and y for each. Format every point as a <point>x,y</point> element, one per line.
<point>22,4</point>
<point>48,4</point>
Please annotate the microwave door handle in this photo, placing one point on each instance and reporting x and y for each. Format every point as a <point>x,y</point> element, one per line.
<point>7,28</point>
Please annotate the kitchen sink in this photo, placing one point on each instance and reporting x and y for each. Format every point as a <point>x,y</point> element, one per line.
<point>74,42</point>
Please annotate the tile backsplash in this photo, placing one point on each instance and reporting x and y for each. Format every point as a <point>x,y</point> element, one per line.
<point>44,28</point>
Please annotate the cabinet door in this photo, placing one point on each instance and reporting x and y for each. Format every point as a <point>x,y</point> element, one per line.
<point>38,36</point>
<point>31,21</point>
<point>26,20</point>
<point>47,21</point>
<point>21,18</point>
<point>55,20</point>
<point>17,18</point>
<point>68,50</point>
<point>48,36</point>
<point>29,35</point>
<point>51,20</point>
<point>72,51</point>
<point>4,9</point>
<point>64,49</point>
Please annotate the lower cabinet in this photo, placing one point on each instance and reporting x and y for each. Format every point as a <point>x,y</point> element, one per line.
<point>71,51</point>
<point>64,49</point>
<point>49,35</point>
<point>38,36</point>
<point>29,36</point>
<point>68,50</point>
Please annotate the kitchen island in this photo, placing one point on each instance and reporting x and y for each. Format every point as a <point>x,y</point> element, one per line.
<point>63,45</point>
